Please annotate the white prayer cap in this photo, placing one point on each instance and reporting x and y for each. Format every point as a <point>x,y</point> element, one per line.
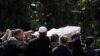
<point>42,29</point>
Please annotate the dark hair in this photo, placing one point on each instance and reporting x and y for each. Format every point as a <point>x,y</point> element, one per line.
<point>89,40</point>
<point>54,37</point>
<point>77,42</point>
<point>77,48</point>
<point>17,31</point>
<point>63,40</point>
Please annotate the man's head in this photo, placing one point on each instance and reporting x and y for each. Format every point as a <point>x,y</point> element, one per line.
<point>63,40</point>
<point>43,31</point>
<point>90,41</point>
<point>19,34</point>
<point>54,38</point>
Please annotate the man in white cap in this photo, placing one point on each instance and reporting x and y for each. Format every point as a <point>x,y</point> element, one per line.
<point>43,31</point>
<point>39,46</point>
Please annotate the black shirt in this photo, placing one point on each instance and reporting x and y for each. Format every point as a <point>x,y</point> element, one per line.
<point>61,51</point>
<point>39,47</point>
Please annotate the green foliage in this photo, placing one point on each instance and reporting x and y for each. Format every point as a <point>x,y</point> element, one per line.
<point>98,43</point>
<point>35,24</point>
<point>36,15</point>
<point>30,14</point>
<point>58,13</point>
<point>15,14</point>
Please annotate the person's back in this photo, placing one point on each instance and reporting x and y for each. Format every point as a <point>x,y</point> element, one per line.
<point>98,50</point>
<point>77,48</point>
<point>90,43</point>
<point>91,51</point>
<point>61,50</point>
<point>1,49</point>
<point>11,49</point>
<point>39,46</point>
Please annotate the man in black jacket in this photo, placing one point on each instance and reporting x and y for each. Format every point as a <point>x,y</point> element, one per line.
<point>11,48</point>
<point>39,46</point>
<point>78,49</point>
<point>61,50</point>
<point>90,45</point>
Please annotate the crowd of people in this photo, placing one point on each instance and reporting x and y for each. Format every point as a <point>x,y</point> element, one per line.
<point>24,43</point>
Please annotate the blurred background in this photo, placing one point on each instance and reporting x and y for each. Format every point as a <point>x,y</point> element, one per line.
<point>30,14</point>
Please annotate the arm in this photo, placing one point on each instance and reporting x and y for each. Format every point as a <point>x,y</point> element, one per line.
<point>6,35</point>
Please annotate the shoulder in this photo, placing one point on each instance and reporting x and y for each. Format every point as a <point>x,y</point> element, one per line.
<point>33,40</point>
<point>54,49</point>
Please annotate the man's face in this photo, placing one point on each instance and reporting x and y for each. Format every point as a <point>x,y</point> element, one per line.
<point>21,36</point>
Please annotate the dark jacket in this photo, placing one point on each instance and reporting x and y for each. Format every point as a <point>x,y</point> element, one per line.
<point>78,49</point>
<point>91,51</point>
<point>38,47</point>
<point>98,50</point>
<point>12,50</point>
<point>1,50</point>
<point>61,51</point>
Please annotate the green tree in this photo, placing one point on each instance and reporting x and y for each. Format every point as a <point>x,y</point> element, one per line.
<point>15,14</point>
